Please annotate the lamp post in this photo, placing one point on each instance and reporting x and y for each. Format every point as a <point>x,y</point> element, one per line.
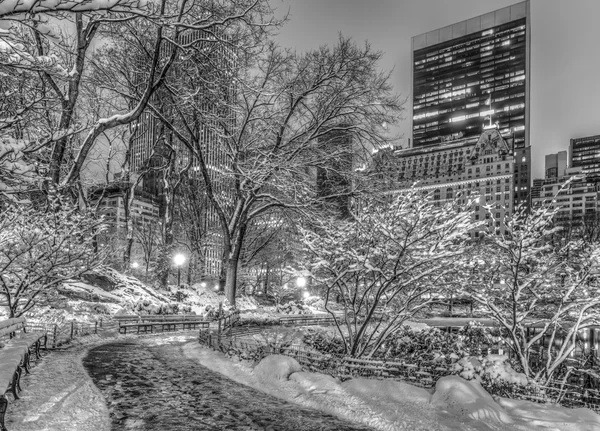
<point>135,265</point>
<point>178,260</point>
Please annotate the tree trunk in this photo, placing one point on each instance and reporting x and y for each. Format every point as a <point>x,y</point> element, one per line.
<point>232,264</point>
<point>189,269</point>
<point>231,280</point>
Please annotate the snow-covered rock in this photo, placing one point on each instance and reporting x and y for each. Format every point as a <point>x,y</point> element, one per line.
<point>467,398</point>
<point>276,367</point>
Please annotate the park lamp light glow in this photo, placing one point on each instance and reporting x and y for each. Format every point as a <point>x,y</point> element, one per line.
<point>301,282</point>
<point>306,294</point>
<point>178,259</point>
<point>203,285</point>
<point>135,265</point>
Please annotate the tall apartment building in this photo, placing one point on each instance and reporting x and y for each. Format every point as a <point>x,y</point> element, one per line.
<point>584,153</point>
<point>473,76</point>
<point>555,167</point>
<point>575,195</point>
<point>148,149</point>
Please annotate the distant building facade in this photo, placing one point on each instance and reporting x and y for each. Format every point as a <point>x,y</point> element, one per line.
<point>574,194</point>
<point>555,165</point>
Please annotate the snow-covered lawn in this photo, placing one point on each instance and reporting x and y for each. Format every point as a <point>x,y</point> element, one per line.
<point>455,404</point>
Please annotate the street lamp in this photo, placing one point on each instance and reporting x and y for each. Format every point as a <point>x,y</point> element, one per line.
<point>301,282</point>
<point>306,295</point>
<point>135,265</point>
<point>178,260</point>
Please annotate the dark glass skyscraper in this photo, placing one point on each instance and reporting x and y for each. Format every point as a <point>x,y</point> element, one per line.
<point>585,153</point>
<point>472,76</point>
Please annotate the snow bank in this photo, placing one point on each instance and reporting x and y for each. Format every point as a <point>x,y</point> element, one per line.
<point>456,404</point>
<point>467,398</point>
<point>551,416</point>
<point>316,383</point>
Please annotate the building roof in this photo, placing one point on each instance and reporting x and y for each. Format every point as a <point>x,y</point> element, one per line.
<point>470,26</point>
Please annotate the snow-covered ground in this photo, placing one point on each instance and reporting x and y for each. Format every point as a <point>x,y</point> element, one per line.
<point>455,404</point>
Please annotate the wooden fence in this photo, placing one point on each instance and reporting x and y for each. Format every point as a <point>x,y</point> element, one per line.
<point>61,334</point>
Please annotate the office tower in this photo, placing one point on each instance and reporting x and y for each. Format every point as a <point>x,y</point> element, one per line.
<point>334,184</point>
<point>585,153</point>
<point>556,165</point>
<point>471,77</point>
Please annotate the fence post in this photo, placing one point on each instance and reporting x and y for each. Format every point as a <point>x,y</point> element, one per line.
<point>101,323</point>
<point>96,327</point>
<point>72,328</point>
<point>54,335</point>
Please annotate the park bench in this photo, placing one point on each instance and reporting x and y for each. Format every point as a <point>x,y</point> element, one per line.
<point>144,324</point>
<point>17,347</point>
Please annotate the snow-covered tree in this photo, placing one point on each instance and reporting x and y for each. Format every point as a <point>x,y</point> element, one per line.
<point>41,249</point>
<point>274,126</point>
<point>388,257</point>
<point>540,291</point>
<point>55,61</point>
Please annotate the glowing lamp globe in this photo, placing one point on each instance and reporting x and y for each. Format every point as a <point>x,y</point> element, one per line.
<point>178,259</point>
<point>301,282</point>
<point>306,295</point>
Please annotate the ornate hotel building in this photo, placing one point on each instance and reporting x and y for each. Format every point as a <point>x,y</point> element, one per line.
<point>482,173</point>
<point>473,76</point>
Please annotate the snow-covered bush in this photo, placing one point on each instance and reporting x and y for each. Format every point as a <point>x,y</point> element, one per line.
<point>531,274</point>
<point>493,372</point>
<point>323,342</point>
<point>390,255</point>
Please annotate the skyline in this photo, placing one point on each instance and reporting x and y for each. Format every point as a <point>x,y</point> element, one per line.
<point>562,70</point>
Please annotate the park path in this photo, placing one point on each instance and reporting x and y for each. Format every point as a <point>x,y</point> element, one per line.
<point>149,384</point>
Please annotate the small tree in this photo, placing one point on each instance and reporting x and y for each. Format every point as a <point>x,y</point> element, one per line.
<point>39,250</point>
<point>537,290</point>
<point>388,255</point>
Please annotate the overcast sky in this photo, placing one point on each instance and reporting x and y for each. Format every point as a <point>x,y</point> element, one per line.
<point>565,56</point>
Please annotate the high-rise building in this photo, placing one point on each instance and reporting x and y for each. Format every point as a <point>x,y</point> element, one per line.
<point>556,165</point>
<point>471,77</point>
<point>585,153</point>
<point>470,72</point>
<point>213,99</point>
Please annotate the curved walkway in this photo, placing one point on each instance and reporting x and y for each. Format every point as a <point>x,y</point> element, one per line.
<point>151,385</point>
<point>58,395</point>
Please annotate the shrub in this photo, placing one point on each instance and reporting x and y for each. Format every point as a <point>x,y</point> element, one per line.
<point>323,343</point>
